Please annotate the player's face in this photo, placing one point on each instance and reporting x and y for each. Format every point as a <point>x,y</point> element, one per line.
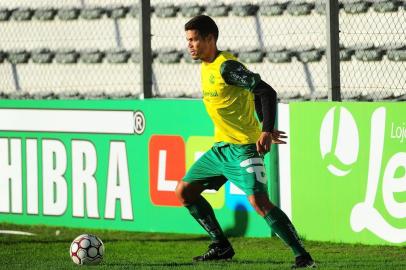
<point>198,46</point>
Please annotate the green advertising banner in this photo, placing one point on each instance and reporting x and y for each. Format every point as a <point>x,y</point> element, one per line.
<point>348,171</point>
<point>110,164</point>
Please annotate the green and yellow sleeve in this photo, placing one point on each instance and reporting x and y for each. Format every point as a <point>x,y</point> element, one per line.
<point>235,73</point>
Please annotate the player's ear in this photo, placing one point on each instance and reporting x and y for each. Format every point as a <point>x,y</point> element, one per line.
<point>210,37</point>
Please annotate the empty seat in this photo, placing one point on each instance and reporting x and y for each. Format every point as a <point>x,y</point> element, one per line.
<point>279,55</point>
<point>45,14</point>
<point>68,13</point>
<point>166,10</point>
<point>288,96</point>
<point>299,8</point>
<point>69,94</point>
<point>368,53</point>
<point>217,10</point>
<point>5,14</point>
<point>117,12</point>
<point>169,56</point>
<point>112,2</point>
<point>95,94</point>
<point>350,96</point>
<point>356,7</point>
<point>18,56</point>
<point>247,55</point>
<point>22,14</point>
<point>346,53</point>
<point>272,9</point>
<point>18,95</point>
<point>135,56</point>
<point>244,9</point>
<point>42,56</point>
<point>91,56</point>
<point>191,9</point>
<point>134,11</point>
<point>309,54</point>
<point>92,13</point>
<point>320,7</point>
<point>66,56</point>
<point>396,54</point>
<point>188,59</point>
<point>401,97</point>
<point>386,6</point>
<point>316,96</point>
<point>44,94</point>
<point>378,95</point>
<point>117,56</point>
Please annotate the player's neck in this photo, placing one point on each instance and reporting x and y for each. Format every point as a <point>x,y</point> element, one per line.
<point>211,56</point>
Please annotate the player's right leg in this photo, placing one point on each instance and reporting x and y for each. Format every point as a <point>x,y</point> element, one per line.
<point>190,196</point>
<point>205,174</point>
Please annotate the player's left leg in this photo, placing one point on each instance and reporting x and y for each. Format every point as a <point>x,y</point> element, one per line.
<point>247,172</point>
<point>283,227</point>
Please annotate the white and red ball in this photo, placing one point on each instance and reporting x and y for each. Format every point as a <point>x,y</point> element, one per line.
<point>86,249</point>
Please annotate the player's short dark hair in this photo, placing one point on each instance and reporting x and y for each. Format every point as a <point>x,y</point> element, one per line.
<point>204,25</point>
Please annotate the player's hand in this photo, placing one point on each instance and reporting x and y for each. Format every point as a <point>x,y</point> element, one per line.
<point>267,138</point>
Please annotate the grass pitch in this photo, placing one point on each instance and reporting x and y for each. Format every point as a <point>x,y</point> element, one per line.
<point>128,250</point>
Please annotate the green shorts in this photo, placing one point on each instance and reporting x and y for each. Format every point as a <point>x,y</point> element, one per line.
<point>241,164</point>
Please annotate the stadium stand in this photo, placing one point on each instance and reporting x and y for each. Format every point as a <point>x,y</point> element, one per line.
<point>89,48</point>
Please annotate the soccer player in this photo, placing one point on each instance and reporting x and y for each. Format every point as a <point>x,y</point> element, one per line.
<point>232,94</point>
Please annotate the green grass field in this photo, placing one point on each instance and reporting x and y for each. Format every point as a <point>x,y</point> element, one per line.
<point>128,250</point>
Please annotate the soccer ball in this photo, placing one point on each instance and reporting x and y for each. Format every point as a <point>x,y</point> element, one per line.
<point>87,249</point>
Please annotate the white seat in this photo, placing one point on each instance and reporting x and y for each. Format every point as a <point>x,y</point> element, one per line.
<point>128,32</point>
<point>80,77</point>
<point>168,32</point>
<point>373,77</point>
<point>8,84</point>
<point>38,3</point>
<point>78,34</point>
<point>237,32</point>
<point>171,80</point>
<point>297,77</point>
<point>372,27</point>
<point>292,31</point>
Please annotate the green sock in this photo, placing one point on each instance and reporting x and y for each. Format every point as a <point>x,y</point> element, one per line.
<point>283,227</point>
<point>202,211</point>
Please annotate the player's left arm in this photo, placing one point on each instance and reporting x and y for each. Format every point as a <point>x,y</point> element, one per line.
<point>235,73</point>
